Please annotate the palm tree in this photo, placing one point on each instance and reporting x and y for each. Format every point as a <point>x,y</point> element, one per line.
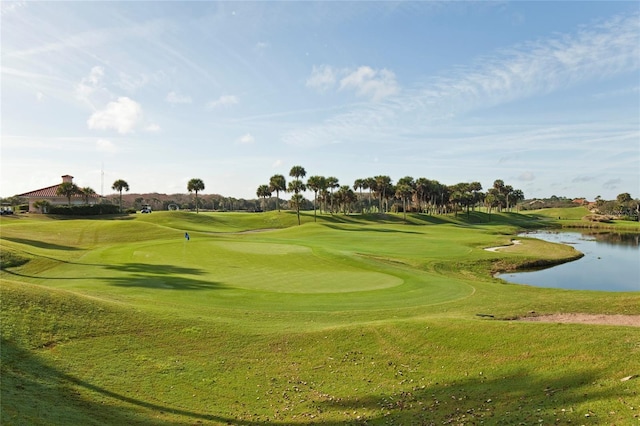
<point>87,192</point>
<point>119,185</point>
<point>345,197</point>
<point>195,185</point>
<point>316,183</point>
<point>68,189</point>
<point>370,184</point>
<point>263,191</point>
<point>277,183</point>
<point>297,172</point>
<point>383,184</point>
<point>359,184</point>
<point>404,191</point>
<point>332,183</point>
<point>297,187</point>
<point>408,180</point>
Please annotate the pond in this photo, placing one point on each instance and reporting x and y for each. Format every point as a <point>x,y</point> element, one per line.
<point>611,262</point>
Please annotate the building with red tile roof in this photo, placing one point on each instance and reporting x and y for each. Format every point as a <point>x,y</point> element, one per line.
<point>50,195</point>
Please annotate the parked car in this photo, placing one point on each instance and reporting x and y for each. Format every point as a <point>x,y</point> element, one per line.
<point>145,210</point>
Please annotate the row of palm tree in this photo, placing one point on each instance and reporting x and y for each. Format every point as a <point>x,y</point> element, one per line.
<point>421,195</point>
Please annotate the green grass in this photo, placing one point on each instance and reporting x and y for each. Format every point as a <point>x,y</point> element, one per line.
<point>348,320</point>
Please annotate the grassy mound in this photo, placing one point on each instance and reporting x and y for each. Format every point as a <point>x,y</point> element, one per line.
<point>347,320</point>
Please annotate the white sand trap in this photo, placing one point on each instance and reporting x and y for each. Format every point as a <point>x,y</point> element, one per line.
<point>513,243</point>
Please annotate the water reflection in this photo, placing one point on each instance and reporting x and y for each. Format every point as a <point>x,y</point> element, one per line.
<point>611,262</point>
<point>620,239</point>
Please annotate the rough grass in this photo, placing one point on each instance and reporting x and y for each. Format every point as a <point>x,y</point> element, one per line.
<point>349,320</point>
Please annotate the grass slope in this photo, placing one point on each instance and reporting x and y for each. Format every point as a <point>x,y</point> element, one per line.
<point>347,320</point>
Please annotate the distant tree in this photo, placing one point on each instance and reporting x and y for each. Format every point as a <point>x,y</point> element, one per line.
<point>296,186</point>
<point>277,183</point>
<point>623,198</point>
<point>345,197</point>
<point>517,196</point>
<point>42,205</point>
<point>359,185</point>
<point>332,183</point>
<point>383,187</point>
<point>68,189</point>
<point>475,188</point>
<point>404,192</point>
<point>195,185</point>
<point>316,184</point>
<point>87,192</point>
<point>138,202</point>
<point>370,184</point>
<point>263,192</point>
<point>120,185</point>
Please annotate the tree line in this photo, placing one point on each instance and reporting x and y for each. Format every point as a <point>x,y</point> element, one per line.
<point>382,195</point>
<point>377,194</point>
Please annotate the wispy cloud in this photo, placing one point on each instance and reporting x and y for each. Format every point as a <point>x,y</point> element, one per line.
<point>612,184</point>
<point>374,84</point>
<point>246,139</point>
<point>529,69</point>
<point>223,101</point>
<point>365,81</point>
<point>177,98</point>
<point>104,145</point>
<point>91,85</point>
<point>322,78</point>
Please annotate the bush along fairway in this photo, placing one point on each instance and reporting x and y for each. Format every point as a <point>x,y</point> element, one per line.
<point>255,320</point>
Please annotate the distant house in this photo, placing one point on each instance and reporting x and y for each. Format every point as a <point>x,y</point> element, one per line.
<point>580,201</point>
<point>50,195</point>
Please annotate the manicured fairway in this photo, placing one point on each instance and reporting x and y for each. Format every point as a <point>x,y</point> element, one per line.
<point>256,320</point>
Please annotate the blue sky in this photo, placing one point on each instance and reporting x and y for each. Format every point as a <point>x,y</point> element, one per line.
<point>543,95</point>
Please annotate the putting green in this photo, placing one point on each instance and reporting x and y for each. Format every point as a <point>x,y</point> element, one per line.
<point>282,268</point>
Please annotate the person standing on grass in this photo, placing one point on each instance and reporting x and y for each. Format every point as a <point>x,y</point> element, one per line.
<point>186,235</point>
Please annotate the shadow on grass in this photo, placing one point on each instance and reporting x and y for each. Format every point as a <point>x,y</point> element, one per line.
<point>520,398</point>
<point>41,244</point>
<point>35,392</point>
<point>163,283</point>
<point>154,269</point>
<point>143,275</point>
<point>383,230</point>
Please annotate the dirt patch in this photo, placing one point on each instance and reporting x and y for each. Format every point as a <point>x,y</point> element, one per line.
<point>601,319</point>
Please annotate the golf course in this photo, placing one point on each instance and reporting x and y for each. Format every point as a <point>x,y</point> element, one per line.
<point>345,319</point>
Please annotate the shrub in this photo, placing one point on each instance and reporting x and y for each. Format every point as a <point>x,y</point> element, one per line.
<point>93,210</point>
<point>10,259</point>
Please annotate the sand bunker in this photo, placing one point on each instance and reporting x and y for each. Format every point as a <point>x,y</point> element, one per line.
<point>513,242</point>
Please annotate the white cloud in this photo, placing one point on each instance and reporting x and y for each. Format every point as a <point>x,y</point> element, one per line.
<point>223,101</point>
<point>322,78</point>
<point>104,145</point>
<point>40,97</point>
<point>277,164</point>
<point>246,139</point>
<point>374,84</point>
<point>526,177</point>
<point>177,98</point>
<point>365,81</point>
<point>153,128</point>
<point>121,115</point>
